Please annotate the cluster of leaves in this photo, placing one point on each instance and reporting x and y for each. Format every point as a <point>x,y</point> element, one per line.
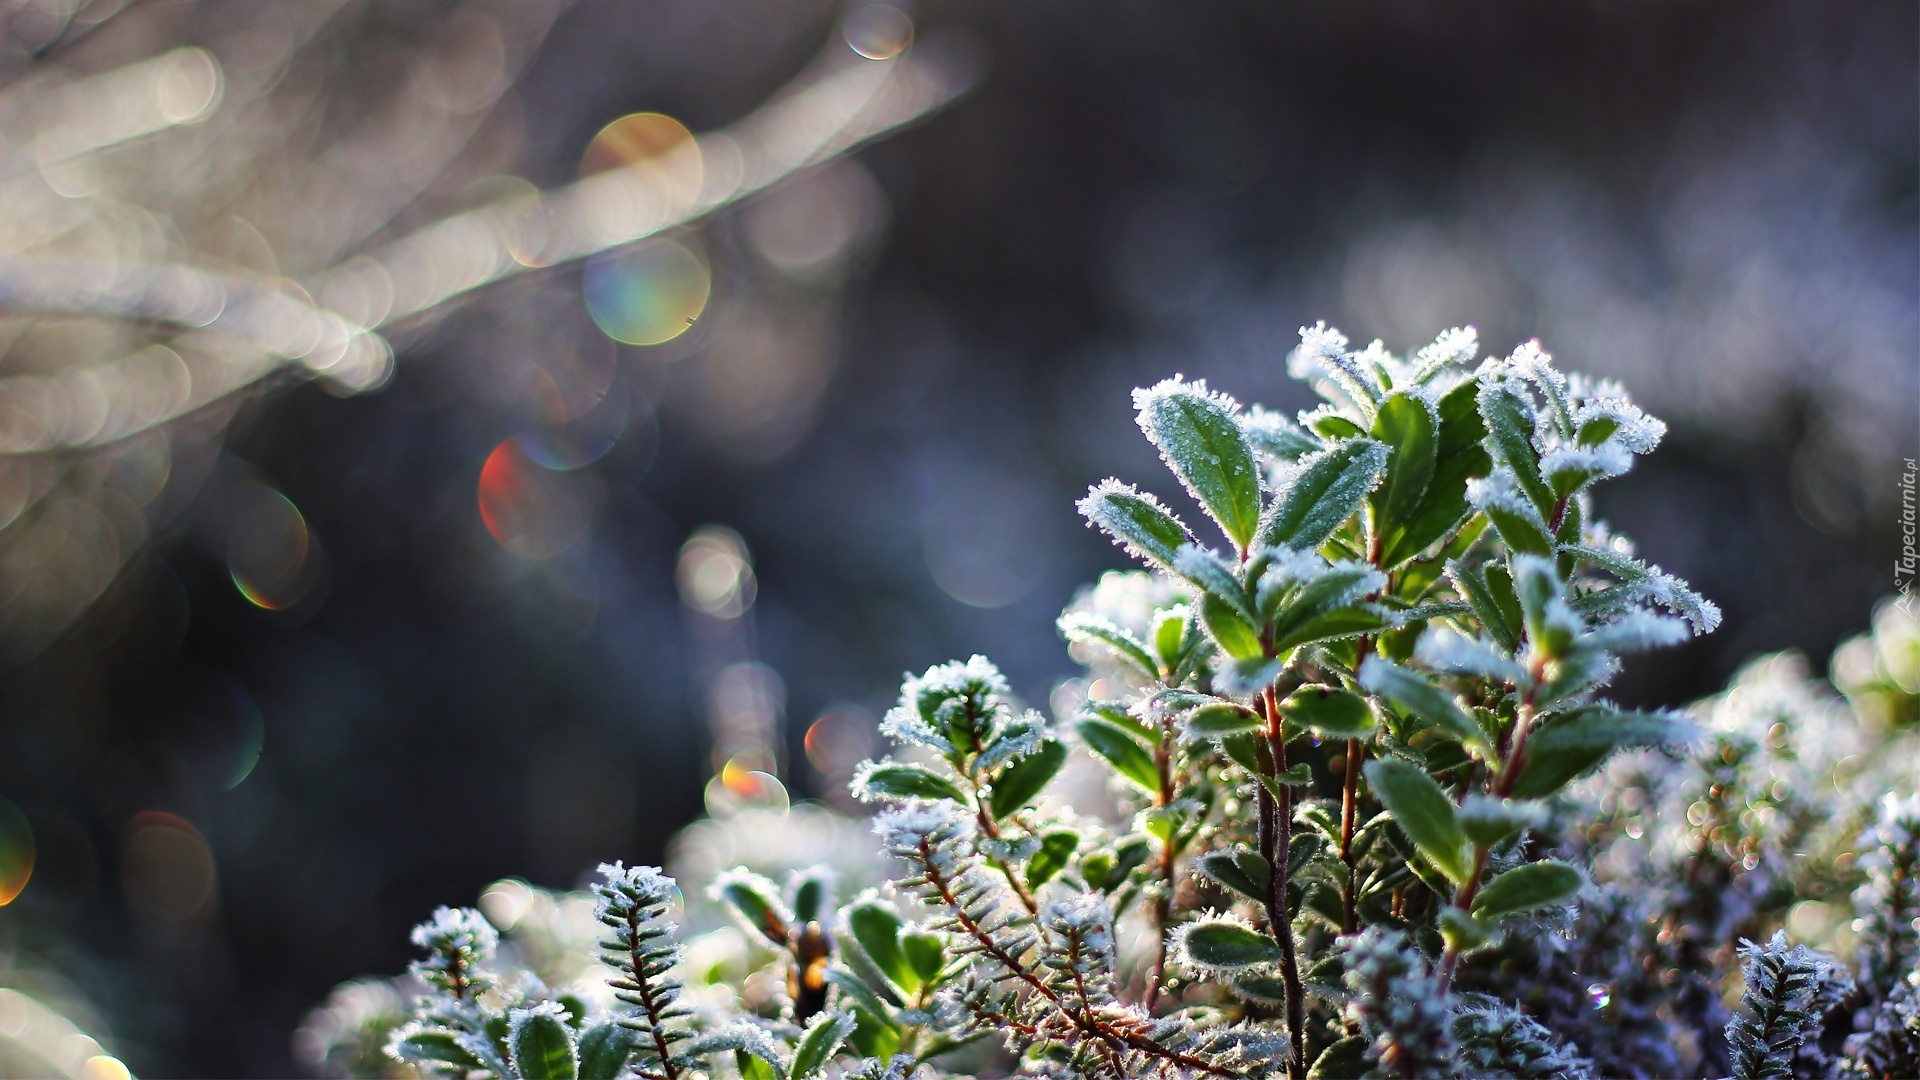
<point>1363,764</point>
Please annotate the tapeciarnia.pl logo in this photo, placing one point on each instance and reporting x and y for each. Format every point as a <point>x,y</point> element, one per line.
<point>1903,567</point>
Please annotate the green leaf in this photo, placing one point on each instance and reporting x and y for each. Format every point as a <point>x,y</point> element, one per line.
<point>1170,635</point>
<point>816,1047</point>
<point>1472,584</point>
<point>877,1031</point>
<point>437,1048</point>
<point>1415,695</point>
<point>1245,678</point>
<point>1500,582</point>
<point>1527,888</point>
<point>875,927</point>
<point>1020,783</point>
<point>1332,713</point>
<point>1202,441</point>
<point>1573,745</point>
<point>1085,629</point>
<point>1487,820</point>
<point>1338,586</point>
<point>1566,540</point>
<point>1236,637</point>
<point>1523,531</point>
<point>1341,623</point>
<point>1411,428</point>
<point>1299,774</point>
<point>1324,495</point>
<point>1569,476</point>
<point>1334,426</point>
<point>1462,932</point>
<point>542,1046</point>
<point>754,898</point>
<point>947,1044</point>
<point>1115,713</point>
<point>1136,521</point>
<point>1275,436</point>
<point>1056,851</point>
<point>1221,719</point>
<point>752,1068</point>
<point>896,780</point>
<point>1509,418</point>
<point>1245,872</point>
<point>1460,457</point>
<point>1246,750</point>
<point>1595,431</point>
<point>1423,812</point>
<point>1257,985</point>
<point>1108,870</point>
<point>1121,750</point>
<point>1217,944</point>
<point>604,1050</point>
<point>1341,1060</point>
<point>1536,586</point>
<point>926,951</point>
<point>811,888</point>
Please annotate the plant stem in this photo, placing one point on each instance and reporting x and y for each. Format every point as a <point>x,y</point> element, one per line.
<point>1277,831</point>
<point>991,829</point>
<point>637,964</point>
<point>1089,1023</point>
<point>1349,794</point>
<point>1163,904</point>
<point>1502,788</point>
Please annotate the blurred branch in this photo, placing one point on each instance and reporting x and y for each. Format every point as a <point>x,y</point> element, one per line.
<point>279,199</point>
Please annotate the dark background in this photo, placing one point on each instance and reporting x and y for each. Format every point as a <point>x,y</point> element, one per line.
<point>1714,202</point>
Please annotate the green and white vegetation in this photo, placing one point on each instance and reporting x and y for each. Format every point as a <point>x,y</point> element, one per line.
<point>1377,815</point>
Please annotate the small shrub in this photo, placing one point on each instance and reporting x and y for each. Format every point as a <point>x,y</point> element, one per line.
<point>1378,816</point>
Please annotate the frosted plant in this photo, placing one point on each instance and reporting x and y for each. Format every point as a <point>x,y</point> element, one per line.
<point>1789,993</point>
<point>1377,815</point>
<point>1399,1007</point>
<point>1889,900</point>
<point>1497,1040</point>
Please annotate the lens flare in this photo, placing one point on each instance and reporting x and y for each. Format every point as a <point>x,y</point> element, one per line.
<point>647,140</point>
<point>557,441</point>
<point>531,511</point>
<point>268,548</point>
<point>879,31</point>
<point>647,294</point>
<point>715,573</point>
<point>218,732</point>
<point>166,867</point>
<point>16,852</point>
<point>838,740</point>
<point>738,787</point>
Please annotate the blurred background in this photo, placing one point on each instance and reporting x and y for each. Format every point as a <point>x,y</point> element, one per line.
<point>449,440</point>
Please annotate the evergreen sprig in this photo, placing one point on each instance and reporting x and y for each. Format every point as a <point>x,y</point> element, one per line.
<point>1789,992</point>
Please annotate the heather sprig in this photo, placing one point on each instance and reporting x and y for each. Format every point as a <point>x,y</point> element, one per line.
<point>1789,992</point>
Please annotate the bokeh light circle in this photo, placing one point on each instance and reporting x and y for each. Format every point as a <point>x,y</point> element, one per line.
<point>16,852</point>
<point>879,31</point>
<point>738,787</point>
<point>647,293</point>
<point>986,540</point>
<point>166,867</point>
<point>268,547</point>
<point>533,512</point>
<point>557,441</point>
<point>715,573</point>
<point>217,731</point>
<point>643,140</point>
